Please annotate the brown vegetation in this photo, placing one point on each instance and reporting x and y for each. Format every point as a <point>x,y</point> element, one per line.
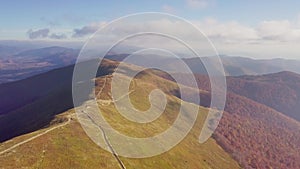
<point>256,135</point>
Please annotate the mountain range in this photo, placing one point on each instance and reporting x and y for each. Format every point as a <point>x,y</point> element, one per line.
<point>259,128</point>
<point>18,63</point>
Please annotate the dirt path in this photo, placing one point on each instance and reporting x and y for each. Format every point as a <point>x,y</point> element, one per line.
<point>109,101</point>
<point>34,137</point>
<point>107,141</point>
<point>103,131</point>
<point>105,79</point>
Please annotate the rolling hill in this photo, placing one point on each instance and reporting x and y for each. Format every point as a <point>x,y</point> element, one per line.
<point>256,135</point>
<point>67,146</point>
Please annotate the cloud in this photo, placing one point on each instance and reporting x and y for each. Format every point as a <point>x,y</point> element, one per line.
<point>227,32</point>
<point>265,39</point>
<point>57,36</point>
<point>223,32</point>
<point>282,30</point>
<point>44,33</point>
<point>197,4</point>
<point>274,29</point>
<point>87,30</point>
<point>36,34</point>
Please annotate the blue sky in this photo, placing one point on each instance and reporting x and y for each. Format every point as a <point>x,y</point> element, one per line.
<point>57,19</point>
<point>24,15</point>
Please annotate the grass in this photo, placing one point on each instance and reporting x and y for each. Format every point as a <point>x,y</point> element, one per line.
<point>70,147</point>
<point>66,147</point>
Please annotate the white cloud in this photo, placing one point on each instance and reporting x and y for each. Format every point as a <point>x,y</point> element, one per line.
<point>45,34</point>
<point>57,36</point>
<point>87,30</point>
<point>282,30</point>
<point>274,29</point>
<point>227,32</point>
<point>221,31</point>
<point>266,39</point>
<point>40,33</point>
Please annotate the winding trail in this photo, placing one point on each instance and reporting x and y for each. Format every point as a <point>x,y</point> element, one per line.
<point>107,141</point>
<point>108,102</point>
<point>103,131</point>
<point>34,137</point>
<point>105,79</point>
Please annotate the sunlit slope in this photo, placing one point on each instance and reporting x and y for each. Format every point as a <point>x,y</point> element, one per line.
<point>68,146</point>
<point>65,147</point>
<point>187,154</point>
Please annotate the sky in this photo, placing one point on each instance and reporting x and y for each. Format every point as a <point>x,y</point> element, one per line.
<point>253,28</point>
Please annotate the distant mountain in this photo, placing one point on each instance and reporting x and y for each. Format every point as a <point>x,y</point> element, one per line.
<point>16,64</point>
<point>36,44</point>
<point>233,66</point>
<point>281,91</point>
<point>51,55</point>
<point>32,62</point>
<point>6,51</point>
<point>236,66</point>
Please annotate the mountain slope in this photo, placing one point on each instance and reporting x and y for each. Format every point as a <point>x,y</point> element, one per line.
<point>281,91</point>
<point>256,135</point>
<point>30,104</point>
<point>69,147</point>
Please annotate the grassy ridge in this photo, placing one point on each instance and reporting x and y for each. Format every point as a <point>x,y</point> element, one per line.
<point>69,146</point>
